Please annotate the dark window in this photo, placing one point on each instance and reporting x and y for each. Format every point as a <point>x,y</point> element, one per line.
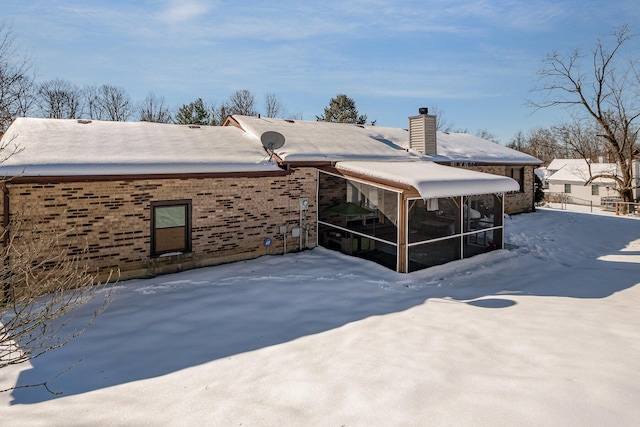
<point>595,190</point>
<point>484,211</point>
<point>170,227</point>
<point>359,207</point>
<point>433,219</point>
<point>517,173</point>
<point>567,188</point>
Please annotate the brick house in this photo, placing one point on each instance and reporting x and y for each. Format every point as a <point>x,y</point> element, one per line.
<point>149,198</point>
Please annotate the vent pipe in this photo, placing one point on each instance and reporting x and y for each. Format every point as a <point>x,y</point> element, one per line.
<point>422,132</point>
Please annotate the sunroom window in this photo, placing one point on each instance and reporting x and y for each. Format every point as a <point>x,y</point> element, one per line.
<point>358,219</point>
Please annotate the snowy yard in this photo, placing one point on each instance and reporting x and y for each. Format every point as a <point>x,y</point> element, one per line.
<point>547,333</point>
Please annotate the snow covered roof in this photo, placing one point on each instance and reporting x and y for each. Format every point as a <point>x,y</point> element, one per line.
<point>462,147</point>
<point>307,141</point>
<point>431,179</point>
<point>557,164</point>
<point>323,141</point>
<point>578,172</point>
<point>53,147</point>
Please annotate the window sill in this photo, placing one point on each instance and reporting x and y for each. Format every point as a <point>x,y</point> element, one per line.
<point>170,254</point>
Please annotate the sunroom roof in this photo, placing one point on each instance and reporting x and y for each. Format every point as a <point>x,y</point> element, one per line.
<point>430,179</point>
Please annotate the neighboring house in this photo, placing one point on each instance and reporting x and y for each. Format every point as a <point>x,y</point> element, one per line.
<point>545,172</point>
<point>557,164</point>
<point>475,153</point>
<point>150,198</point>
<point>570,177</point>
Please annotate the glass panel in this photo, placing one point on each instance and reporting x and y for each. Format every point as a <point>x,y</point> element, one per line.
<point>170,240</point>
<point>170,216</point>
<point>360,207</point>
<point>433,219</point>
<point>481,242</point>
<point>483,211</point>
<point>434,253</point>
<point>358,246</point>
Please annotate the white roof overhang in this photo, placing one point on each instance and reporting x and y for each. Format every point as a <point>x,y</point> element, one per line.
<point>432,180</point>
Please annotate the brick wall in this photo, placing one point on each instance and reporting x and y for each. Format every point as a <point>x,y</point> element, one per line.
<point>515,202</point>
<point>231,217</point>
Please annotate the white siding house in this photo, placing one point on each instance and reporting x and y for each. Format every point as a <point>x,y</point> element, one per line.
<point>571,176</point>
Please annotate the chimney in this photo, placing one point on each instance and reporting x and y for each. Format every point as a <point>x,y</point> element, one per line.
<point>422,132</point>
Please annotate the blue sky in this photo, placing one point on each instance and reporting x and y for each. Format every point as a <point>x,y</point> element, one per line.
<point>475,61</point>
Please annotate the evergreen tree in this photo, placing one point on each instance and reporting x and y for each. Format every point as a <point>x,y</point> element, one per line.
<point>342,109</point>
<point>539,192</point>
<point>195,113</point>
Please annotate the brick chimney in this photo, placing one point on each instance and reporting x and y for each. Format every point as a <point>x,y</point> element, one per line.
<point>422,132</point>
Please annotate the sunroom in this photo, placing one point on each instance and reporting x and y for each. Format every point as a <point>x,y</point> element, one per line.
<point>408,216</point>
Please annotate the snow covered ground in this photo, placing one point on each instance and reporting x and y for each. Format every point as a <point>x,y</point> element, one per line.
<point>547,333</point>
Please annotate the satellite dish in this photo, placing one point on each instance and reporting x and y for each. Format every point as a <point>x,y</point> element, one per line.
<point>272,140</point>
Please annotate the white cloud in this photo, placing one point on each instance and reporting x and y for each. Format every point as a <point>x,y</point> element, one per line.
<point>180,11</point>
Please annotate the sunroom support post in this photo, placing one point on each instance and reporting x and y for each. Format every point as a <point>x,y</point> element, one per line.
<point>403,221</point>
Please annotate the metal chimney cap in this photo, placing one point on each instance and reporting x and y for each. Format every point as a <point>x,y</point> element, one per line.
<point>423,110</point>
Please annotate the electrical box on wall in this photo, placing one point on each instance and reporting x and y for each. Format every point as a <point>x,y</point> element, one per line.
<point>304,203</point>
<point>295,232</point>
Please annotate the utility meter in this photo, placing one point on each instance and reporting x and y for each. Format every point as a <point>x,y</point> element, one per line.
<point>304,203</point>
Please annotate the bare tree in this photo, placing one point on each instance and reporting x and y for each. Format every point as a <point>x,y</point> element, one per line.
<point>93,107</point>
<point>484,133</point>
<point>273,106</point>
<point>42,289</point>
<point>44,282</point>
<point>16,80</point>
<point>218,114</point>
<point>518,142</point>
<point>442,123</point>
<point>242,102</point>
<point>60,99</point>
<point>580,140</point>
<point>153,109</point>
<point>607,93</point>
<point>115,103</point>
